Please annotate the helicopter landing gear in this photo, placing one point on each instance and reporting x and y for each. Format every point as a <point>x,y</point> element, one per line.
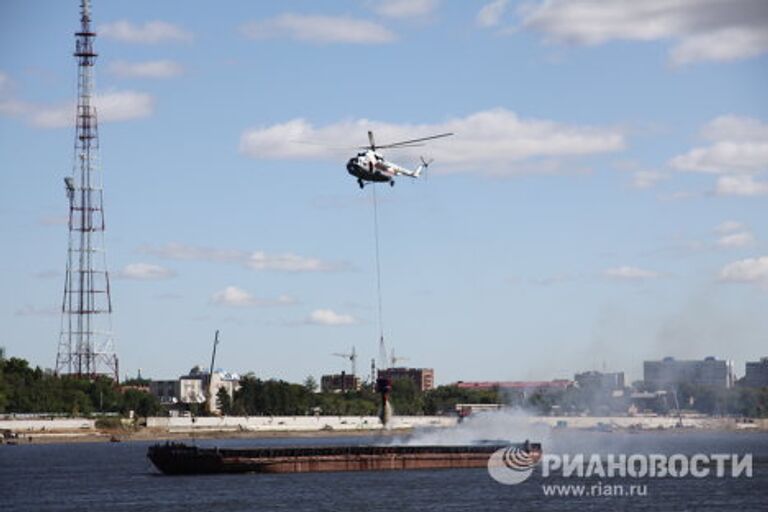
<point>360,182</point>
<point>392,183</point>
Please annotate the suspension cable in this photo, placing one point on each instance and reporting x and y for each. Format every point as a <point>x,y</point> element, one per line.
<point>378,265</point>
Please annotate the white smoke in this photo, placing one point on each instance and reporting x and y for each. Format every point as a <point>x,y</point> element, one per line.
<point>504,426</point>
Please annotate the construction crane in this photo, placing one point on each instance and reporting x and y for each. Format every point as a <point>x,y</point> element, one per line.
<point>210,403</point>
<point>395,359</point>
<point>352,356</point>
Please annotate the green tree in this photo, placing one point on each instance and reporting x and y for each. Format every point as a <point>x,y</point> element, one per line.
<point>271,397</point>
<point>32,390</point>
<point>310,384</point>
<point>443,399</point>
<point>141,403</point>
<point>224,401</point>
<point>406,397</point>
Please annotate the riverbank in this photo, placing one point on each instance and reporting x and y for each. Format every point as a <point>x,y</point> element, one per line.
<point>145,434</point>
<point>85,430</point>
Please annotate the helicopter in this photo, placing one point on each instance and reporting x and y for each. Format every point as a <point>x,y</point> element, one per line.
<point>370,166</point>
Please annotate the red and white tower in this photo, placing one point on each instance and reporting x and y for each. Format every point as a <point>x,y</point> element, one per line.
<point>86,346</point>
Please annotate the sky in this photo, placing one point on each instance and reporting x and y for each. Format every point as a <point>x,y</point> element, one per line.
<point>602,202</point>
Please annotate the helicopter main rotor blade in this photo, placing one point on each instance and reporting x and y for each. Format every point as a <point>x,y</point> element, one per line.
<point>404,142</point>
<point>370,139</point>
<point>399,146</point>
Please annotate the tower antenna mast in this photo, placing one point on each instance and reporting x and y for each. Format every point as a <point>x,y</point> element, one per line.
<point>86,347</point>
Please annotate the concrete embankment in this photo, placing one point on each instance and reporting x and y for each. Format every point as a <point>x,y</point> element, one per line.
<point>48,425</point>
<point>294,423</point>
<point>84,429</point>
<point>650,422</point>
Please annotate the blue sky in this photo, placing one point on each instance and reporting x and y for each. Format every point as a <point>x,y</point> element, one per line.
<point>602,202</point>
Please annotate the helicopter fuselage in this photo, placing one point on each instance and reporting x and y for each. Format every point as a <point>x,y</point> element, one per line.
<point>370,166</point>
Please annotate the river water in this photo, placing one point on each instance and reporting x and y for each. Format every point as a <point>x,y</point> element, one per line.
<point>118,476</point>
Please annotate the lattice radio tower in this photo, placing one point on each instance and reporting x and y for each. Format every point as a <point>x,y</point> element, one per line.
<point>86,347</point>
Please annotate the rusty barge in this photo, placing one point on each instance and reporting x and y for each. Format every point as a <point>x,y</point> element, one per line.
<point>182,459</point>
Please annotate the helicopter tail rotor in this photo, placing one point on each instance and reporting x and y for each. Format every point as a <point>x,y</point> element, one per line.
<point>423,166</point>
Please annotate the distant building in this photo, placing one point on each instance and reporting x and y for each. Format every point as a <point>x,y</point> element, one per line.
<point>193,387</point>
<point>607,382</point>
<point>339,383</point>
<point>135,387</point>
<point>167,391</point>
<point>646,401</point>
<point>757,373</point>
<point>464,410</point>
<point>523,388</point>
<point>708,372</point>
<point>423,378</point>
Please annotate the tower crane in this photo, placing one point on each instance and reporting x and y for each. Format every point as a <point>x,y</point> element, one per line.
<point>352,356</point>
<point>396,359</point>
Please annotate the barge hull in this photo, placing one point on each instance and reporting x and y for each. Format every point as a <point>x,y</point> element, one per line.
<point>177,459</point>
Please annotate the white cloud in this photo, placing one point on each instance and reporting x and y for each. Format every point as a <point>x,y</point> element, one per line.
<point>741,185</point>
<point>123,106</point>
<point>733,234</point>
<point>150,32</point>
<point>738,149</point>
<point>750,270</point>
<point>712,30</point>
<point>740,239</point>
<point>731,127</point>
<point>234,296</point>
<point>255,260</point>
<point>13,108</point>
<point>729,226</point>
<point>731,43</point>
<point>329,317</point>
<point>630,273</point>
<point>725,156</point>
<point>646,179</point>
<point>287,262</point>
<point>404,8</point>
<point>145,272</point>
<point>491,141</point>
<point>147,69</point>
<point>319,29</point>
<point>111,107</point>
<point>490,14</point>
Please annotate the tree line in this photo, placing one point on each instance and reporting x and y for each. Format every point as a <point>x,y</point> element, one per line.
<point>279,398</point>
<point>24,389</point>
